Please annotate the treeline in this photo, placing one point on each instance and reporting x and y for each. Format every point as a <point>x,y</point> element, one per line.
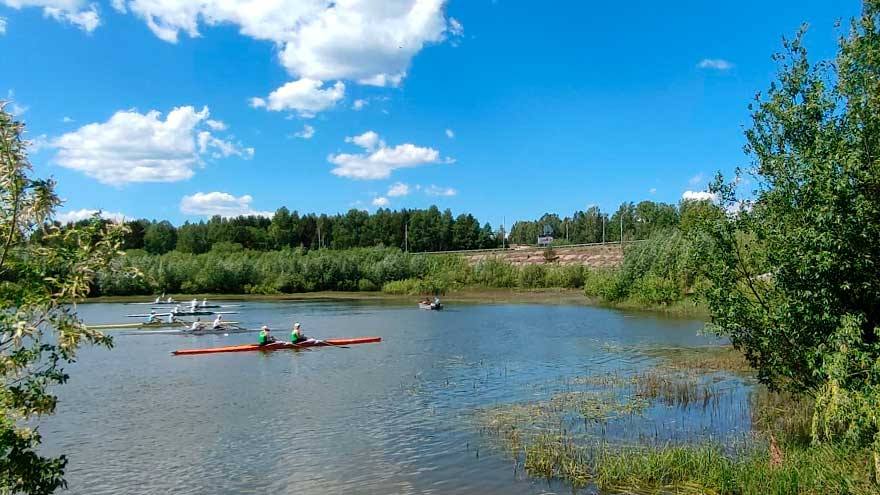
<point>415,230</point>
<point>633,221</point>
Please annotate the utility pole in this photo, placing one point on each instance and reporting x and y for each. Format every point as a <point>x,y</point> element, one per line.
<point>406,237</point>
<point>621,229</point>
<point>603,229</point>
<point>503,221</point>
<point>566,231</point>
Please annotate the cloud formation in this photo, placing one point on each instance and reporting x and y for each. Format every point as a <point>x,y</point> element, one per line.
<point>715,64</point>
<point>381,201</point>
<point>306,133</point>
<point>398,189</point>
<point>84,214</point>
<point>2,26</point>
<point>305,96</point>
<point>450,134</point>
<point>698,196</point>
<point>135,147</point>
<point>369,41</point>
<point>80,13</point>
<point>433,190</point>
<point>220,203</point>
<point>359,104</point>
<point>379,160</point>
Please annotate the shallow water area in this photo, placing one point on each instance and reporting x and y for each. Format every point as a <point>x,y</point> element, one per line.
<point>395,417</point>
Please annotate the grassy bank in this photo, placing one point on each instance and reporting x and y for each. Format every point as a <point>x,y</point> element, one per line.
<point>567,435</point>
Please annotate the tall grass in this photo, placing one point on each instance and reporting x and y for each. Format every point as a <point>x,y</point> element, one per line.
<point>228,270</point>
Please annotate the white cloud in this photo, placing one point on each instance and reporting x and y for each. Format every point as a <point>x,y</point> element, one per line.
<point>359,104</point>
<point>2,26</point>
<point>306,96</point>
<point>216,125</point>
<point>13,107</point>
<point>398,189</point>
<point>135,147</point>
<point>698,196</point>
<point>307,132</point>
<point>221,148</point>
<point>80,13</point>
<point>653,190</point>
<point>380,160</point>
<point>450,134</point>
<point>433,190</point>
<point>220,203</point>
<point>381,202</point>
<point>697,179</point>
<point>370,41</point>
<point>84,214</point>
<point>367,140</point>
<point>67,120</point>
<point>455,27</point>
<point>715,64</point>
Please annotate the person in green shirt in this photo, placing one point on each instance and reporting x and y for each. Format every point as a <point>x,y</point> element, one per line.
<point>297,336</point>
<point>265,336</point>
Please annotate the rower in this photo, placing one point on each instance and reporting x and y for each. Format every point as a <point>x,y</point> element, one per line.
<point>171,317</point>
<point>205,302</point>
<point>436,301</point>
<point>158,300</point>
<point>297,336</point>
<point>176,309</point>
<point>218,322</point>
<point>265,337</point>
<point>193,305</point>
<point>169,300</point>
<point>197,325</point>
<point>153,317</point>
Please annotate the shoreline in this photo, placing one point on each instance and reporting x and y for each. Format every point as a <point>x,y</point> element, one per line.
<point>565,297</point>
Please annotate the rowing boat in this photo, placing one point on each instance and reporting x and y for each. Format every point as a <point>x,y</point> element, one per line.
<point>185,313</point>
<point>161,324</point>
<point>278,345</point>
<point>200,307</point>
<point>431,306</point>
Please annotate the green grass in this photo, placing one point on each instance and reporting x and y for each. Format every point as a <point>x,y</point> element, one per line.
<point>777,459</point>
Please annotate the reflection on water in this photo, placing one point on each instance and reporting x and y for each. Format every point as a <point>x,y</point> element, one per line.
<point>395,417</point>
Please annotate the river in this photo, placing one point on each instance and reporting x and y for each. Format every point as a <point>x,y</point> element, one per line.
<point>393,417</point>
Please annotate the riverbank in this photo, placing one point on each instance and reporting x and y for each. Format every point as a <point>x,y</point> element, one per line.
<point>564,436</point>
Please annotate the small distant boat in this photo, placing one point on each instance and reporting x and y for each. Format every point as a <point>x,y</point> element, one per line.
<point>186,313</point>
<point>431,306</point>
<point>159,324</point>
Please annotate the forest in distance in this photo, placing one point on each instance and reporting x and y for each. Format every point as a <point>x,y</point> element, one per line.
<point>414,230</point>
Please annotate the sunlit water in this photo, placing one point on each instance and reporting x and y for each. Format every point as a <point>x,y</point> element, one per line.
<point>394,417</point>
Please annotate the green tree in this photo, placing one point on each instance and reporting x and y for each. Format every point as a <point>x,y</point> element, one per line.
<point>160,237</point>
<point>39,330</point>
<point>796,273</point>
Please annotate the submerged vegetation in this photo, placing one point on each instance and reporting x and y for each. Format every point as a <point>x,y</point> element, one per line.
<point>578,436</point>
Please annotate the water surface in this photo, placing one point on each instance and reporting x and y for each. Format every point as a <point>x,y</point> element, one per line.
<point>394,417</point>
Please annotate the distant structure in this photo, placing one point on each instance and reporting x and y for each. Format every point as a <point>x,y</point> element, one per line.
<point>547,238</point>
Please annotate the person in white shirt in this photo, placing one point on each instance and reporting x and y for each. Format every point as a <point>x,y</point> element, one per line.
<point>218,322</point>
<point>196,325</point>
<point>194,304</point>
<point>204,302</point>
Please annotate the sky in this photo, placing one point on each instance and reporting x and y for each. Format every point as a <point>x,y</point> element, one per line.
<point>504,109</point>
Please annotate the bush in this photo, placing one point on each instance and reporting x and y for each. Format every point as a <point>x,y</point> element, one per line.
<point>367,285</point>
<point>653,289</point>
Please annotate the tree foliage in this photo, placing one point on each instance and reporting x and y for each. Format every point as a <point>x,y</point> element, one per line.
<point>39,331</point>
<point>796,272</point>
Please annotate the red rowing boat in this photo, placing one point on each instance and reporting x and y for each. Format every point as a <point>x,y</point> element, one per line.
<point>278,345</point>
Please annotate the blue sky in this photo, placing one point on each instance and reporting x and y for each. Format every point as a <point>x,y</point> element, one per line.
<point>499,108</point>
